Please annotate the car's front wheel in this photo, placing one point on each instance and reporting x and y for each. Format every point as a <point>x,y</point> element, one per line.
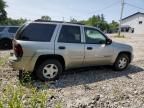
<point>49,70</point>
<point>121,62</point>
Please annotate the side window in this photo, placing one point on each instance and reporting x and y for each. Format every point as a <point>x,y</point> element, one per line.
<point>1,29</point>
<point>37,32</point>
<point>93,36</point>
<point>70,34</point>
<point>12,29</point>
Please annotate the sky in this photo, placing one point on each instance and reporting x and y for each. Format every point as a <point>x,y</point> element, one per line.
<point>66,9</point>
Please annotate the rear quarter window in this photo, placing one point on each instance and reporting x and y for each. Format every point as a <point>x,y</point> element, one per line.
<point>37,32</point>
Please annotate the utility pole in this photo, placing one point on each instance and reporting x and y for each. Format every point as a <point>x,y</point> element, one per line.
<point>122,8</point>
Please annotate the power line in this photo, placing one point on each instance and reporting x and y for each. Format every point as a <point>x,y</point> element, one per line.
<point>109,6</point>
<point>134,6</point>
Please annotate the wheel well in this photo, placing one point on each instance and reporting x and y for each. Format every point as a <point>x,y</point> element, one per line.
<point>127,53</point>
<point>42,58</point>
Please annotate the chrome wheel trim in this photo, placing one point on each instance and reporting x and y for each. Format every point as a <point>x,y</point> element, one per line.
<point>50,71</point>
<point>122,63</point>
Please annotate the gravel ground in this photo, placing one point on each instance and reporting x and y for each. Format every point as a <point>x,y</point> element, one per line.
<point>98,87</point>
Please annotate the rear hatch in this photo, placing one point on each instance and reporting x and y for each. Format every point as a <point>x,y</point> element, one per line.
<point>32,38</point>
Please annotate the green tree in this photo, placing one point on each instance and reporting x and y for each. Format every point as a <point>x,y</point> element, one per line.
<point>93,21</point>
<point>102,18</point>
<point>73,20</point>
<point>100,22</point>
<point>10,21</point>
<point>82,21</point>
<point>113,26</point>
<point>97,21</point>
<point>3,14</point>
<point>47,18</point>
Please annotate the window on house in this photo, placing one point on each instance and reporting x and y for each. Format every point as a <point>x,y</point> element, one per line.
<point>140,22</point>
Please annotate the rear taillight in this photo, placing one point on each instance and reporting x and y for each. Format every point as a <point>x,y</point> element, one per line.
<point>18,51</point>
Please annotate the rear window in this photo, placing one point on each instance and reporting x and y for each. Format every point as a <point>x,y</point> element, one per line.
<point>1,29</point>
<point>12,29</point>
<point>37,32</point>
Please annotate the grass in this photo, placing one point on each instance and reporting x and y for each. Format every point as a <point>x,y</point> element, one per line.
<point>58,105</point>
<point>15,95</point>
<point>3,60</point>
<point>22,93</point>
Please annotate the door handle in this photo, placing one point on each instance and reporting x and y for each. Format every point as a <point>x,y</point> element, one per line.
<point>89,48</point>
<point>62,47</point>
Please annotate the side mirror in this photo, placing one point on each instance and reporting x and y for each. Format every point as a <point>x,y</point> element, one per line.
<point>108,41</point>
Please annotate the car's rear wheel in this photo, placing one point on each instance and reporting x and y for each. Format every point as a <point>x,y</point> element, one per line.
<point>5,44</point>
<point>49,70</point>
<point>121,62</point>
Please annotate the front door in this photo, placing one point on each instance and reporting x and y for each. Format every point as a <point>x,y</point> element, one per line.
<point>96,50</point>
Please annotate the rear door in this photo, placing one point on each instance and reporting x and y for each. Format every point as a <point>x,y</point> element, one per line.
<point>69,45</point>
<point>96,50</point>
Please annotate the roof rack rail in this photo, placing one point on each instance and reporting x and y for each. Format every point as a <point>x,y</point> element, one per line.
<point>75,23</point>
<point>40,20</point>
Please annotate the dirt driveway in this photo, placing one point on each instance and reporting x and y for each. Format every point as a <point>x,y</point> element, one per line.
<point>100,87</point>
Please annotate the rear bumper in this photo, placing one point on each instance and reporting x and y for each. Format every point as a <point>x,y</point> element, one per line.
<point>20,64</point>
<point>13,62</point>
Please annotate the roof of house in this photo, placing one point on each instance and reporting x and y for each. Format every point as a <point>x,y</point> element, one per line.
<point>133,15</point>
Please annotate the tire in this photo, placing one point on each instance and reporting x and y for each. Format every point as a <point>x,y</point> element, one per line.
<point>5,44</point>
<point>121,62</point>
<point>49,70</point>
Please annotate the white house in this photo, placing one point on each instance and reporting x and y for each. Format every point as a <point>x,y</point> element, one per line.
<point>134,23</point>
